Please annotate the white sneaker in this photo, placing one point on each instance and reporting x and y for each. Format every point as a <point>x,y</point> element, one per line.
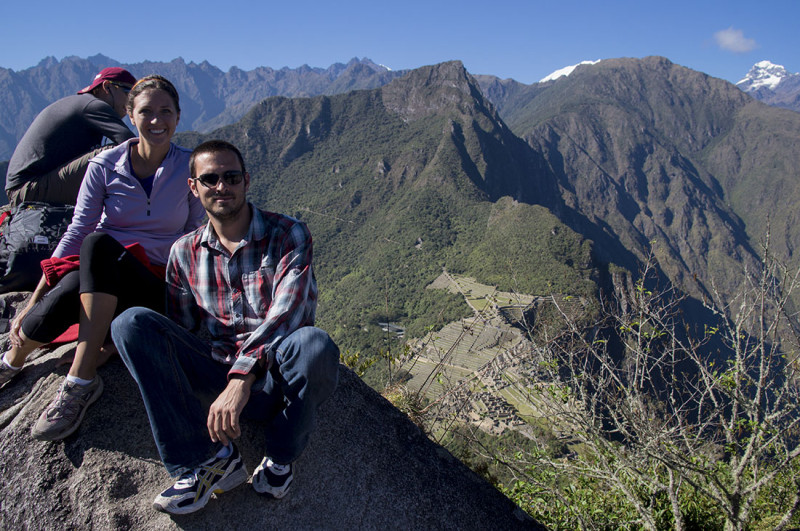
<point>272,480</point>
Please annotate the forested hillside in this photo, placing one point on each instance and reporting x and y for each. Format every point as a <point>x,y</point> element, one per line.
<point>398,183</point>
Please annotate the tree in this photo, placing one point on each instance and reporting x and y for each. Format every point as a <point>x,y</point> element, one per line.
<point>671,420</point>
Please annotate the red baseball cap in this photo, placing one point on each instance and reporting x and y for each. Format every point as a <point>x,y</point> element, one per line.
<point>113,73</point>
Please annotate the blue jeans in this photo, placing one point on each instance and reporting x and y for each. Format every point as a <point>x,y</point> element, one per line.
<point>178,379</point>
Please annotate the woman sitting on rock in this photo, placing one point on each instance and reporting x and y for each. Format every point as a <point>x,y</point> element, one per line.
<point>134,197</point>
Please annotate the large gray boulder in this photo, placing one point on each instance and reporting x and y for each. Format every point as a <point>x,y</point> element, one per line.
<point>367,467</point>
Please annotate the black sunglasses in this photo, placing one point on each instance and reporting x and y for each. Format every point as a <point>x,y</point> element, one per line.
<point>231,178</point>
<point>126,89</point>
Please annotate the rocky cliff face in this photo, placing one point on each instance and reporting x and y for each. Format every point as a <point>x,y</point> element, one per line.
<point>474,139</point>
<point>367,467</point>
<point>658,156</point>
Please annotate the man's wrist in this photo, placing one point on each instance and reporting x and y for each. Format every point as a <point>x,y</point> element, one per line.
<point>247,379</point>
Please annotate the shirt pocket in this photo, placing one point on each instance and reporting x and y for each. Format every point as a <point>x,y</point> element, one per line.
<point>257,291</point>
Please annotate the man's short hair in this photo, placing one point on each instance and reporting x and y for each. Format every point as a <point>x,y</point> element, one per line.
<point>214,146</point>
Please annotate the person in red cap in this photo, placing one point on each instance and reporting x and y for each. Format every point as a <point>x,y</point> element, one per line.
<point>51,158</point>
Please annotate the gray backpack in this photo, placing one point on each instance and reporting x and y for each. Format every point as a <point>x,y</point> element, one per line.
<point>28,234</point>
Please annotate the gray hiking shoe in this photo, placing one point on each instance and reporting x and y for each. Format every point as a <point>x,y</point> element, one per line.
<point>64,414</point>
<point>7,373</point>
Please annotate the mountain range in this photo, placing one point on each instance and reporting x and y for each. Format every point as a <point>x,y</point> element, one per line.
<point>209,97</point>
<point>546,190</point>
<point>542,188</point>
<point>654,152</point>
<point>213,98</point>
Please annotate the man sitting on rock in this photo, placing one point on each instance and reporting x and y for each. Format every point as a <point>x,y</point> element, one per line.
<point>51,158</point>
<point>242,299</point>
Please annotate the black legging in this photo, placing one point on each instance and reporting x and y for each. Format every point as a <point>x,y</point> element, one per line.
<point>105,267</point>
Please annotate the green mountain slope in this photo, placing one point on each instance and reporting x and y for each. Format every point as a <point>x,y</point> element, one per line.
<point>615,160</point>
<point>399,182</point>
<point>663,156</point>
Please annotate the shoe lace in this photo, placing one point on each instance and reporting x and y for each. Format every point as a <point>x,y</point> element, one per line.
<point>66,401</point>
<point>188,479</point>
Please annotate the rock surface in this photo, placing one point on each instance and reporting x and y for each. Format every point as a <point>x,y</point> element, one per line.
<point>367,467</point>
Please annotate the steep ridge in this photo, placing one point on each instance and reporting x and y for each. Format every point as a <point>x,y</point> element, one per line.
<point>756,164</point>
<point>494,158</point>
<point>637,147</point>
<point>434,125</point>
<point>396,183</point>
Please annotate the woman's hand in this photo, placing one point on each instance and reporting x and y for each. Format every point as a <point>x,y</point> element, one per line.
<point>16,324</point>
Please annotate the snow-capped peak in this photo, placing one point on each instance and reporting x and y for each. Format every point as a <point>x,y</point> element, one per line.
<point>763,74</point>
<point>567,70</point>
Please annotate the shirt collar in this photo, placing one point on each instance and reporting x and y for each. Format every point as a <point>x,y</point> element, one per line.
<point>256,231</point>
<point>124,164</point>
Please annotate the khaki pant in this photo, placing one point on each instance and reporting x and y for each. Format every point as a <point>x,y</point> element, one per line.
<point>58,186</point>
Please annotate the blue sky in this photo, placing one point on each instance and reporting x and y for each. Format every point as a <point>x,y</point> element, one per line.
<point>524,40</point>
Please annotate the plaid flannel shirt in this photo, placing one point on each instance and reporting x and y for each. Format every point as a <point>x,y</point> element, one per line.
<point>247,302</point>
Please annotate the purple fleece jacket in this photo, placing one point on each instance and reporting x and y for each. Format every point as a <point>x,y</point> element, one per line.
<point>112,200</point>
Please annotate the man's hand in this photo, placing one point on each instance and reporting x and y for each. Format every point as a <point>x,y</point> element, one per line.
<point>223,416</point>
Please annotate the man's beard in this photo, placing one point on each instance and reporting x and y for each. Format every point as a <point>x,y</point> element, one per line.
<point>225,212</point>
